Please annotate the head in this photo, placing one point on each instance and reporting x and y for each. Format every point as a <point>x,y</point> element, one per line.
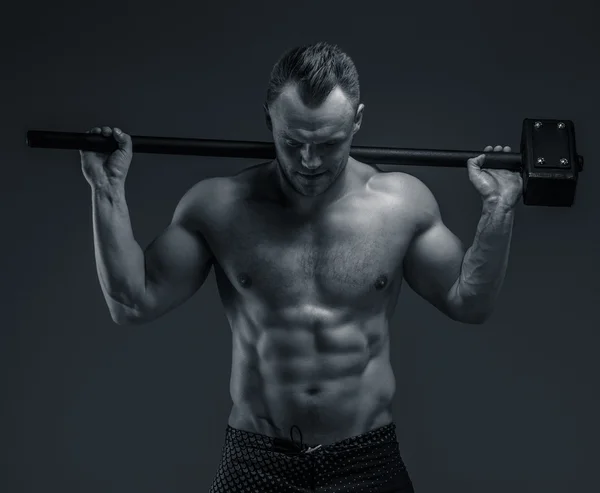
<point>313,110</point>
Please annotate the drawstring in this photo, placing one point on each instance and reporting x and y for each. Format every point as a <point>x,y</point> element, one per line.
<point>300,446</point>
<point>300,450</point>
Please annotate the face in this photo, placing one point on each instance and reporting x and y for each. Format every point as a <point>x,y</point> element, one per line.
<point>313,144</point>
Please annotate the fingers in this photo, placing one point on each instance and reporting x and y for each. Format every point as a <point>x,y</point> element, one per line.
<point>121,137</point>
<point>497,149</point>
<point>475,163</point>
<point>106,131</point>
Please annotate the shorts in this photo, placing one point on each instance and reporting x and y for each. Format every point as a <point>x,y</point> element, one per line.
<point>254,463</point>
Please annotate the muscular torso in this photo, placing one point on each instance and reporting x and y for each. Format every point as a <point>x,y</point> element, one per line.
<point>309,299</point>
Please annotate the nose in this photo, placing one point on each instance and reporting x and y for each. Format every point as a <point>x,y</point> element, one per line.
<point>310,159</point>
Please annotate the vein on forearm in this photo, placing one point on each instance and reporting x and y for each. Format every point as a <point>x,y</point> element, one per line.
<point>484,264</point>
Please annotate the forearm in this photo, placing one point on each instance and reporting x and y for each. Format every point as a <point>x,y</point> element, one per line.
<point>484,264</point>
<point>119,258</point>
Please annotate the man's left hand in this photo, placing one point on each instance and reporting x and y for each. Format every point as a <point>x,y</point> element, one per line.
<point>499,187</point>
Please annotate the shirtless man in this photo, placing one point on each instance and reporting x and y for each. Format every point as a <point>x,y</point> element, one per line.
<point>310,252</point>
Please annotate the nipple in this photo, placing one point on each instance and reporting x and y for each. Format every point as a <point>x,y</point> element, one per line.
<point>381,283</point>
<point>244,280</point>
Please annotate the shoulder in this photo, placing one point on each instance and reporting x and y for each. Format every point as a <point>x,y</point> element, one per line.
<point>206,193</point>
<point>217,197</point>
<point>408,191</point>
<point>206,201</point>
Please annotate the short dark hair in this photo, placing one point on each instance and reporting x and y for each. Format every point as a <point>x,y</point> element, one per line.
<point>317,69</point>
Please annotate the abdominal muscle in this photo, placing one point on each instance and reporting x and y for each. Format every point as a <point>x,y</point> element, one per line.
<point>325,371</point>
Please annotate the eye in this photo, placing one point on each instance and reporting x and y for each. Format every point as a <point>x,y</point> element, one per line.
<point>331,144</point>
<point>291,143</point>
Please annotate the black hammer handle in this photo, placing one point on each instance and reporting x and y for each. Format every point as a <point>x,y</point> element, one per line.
<point>264,150</point>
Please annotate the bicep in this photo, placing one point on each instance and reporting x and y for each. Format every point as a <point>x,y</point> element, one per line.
<point>178,259</point>
<point>434,258</point>
<point>432,264</point>
<point>177,263</point>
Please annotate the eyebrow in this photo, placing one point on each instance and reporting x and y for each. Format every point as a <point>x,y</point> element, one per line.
<point>334,138</point>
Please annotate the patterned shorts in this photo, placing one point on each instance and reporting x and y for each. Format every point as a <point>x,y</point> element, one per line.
<point>253,463</point>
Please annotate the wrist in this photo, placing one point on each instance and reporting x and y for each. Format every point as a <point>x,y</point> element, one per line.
<point>110,193</point>
<point>496,205</point>
<point>108,189</point>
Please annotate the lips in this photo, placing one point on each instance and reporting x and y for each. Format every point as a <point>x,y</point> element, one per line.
<point>311,176</point>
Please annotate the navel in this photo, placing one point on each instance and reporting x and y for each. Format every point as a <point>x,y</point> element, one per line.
<point>244,280</point>
<point>314,390</point>
<point>381,283</point>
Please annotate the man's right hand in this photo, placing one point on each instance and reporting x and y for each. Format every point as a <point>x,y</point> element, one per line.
<point>103,170</point>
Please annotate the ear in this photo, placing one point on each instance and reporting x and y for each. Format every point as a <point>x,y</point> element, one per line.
<point>358,118</point>
<point>268,120</point>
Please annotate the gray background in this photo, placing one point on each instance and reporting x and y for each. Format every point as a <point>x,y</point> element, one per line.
<point>91,406</point>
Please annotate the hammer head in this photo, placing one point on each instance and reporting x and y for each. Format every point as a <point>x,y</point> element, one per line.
<point>550,162</point>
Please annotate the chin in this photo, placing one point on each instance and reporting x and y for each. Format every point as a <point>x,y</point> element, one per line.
<point>311,193</point>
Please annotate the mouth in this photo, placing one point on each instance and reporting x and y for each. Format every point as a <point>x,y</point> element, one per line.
<point>311,177</point>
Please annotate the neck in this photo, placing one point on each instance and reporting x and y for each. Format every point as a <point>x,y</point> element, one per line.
<point>307,205</point>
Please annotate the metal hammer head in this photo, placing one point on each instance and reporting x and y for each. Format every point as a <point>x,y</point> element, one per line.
<point>550,162</point>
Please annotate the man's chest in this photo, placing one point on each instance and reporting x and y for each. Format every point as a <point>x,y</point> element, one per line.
<point>349,251</point>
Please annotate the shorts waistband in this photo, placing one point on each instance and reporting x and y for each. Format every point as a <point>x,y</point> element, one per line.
<point>295,444</point>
